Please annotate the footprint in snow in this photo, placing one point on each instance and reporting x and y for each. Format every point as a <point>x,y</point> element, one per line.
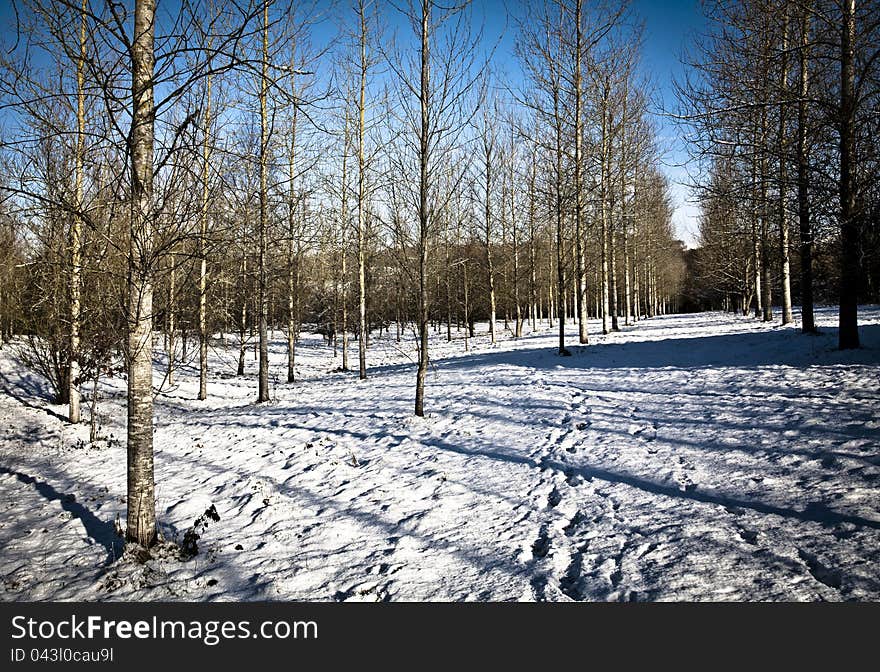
<point>573,478</point>
<point>384,569</point>
<point>687,485</point>
<point>573,523</point>
<point>362,592</point>
<point>826,575</point>
<point>572,583</point>
<point>541,545</point>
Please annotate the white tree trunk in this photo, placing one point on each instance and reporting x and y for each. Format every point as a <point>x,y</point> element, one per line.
<point>141,514</point>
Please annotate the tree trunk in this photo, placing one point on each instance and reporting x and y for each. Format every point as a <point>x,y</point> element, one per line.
<point>490,271</point>
<point>756,239</point>
<point>533,284</point>
<point>170,320</point>
<point>93,419</point>
<point>203,260</point>
<point>424,139</point>
<point>560,269</point>
<point>783,176</point>
<point>448,283</point>
<point>242,325</point>
<point>468,332</point>
<point>76,229</point>
<point>580,269</point>
<point>637,306</point>
<point>343,231</point>
<point>292,260</point>
<point>551,291</point>
<point>624,226</point>
<point>362,238</point>
<point>627,287</point>
<point>141,506</point>
<point>848,336</point>
<point>603,205</point>
<point>517,311</point>
<point>808,323</point>
<point>766,289</point>
<point>263,392</point>
<point>612,275</point>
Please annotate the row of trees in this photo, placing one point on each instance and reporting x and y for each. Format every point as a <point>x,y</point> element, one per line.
<point>234,168</point>
<point>782,109</point>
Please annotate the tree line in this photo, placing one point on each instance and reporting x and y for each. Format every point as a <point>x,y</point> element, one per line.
<point>781,111</point>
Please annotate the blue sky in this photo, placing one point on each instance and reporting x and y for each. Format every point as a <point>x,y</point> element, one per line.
<point>668,26</point>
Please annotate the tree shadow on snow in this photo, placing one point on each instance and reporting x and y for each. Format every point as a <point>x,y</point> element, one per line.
<point>813,512</point>
<point>100,531</point>
<point>384,526</point>
<point>781,347</point>
<point>31,387</point>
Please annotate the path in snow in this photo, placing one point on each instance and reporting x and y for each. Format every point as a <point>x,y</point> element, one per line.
<point>698,457</point>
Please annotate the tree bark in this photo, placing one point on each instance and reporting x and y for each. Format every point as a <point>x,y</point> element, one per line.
<point>766,289</point>
<point>203,258</point>
<point>424,139</point>
<point>808,324</point>
<point>242,325</point>
<point>581,280</point>
<point>612,273</point>
<point>170,319</point>
<point>487,212</point>
<point>560,269</point>
<point>362,239</point>
<point>292,260</point>
<point>533,284</point>
<point>848,336</point>
<point>603,204</point>
<point>141,507</point>
<point>73,377</point>
<point>783,175</point>
<point>263,392</point>
<point>518,328</point>
<point>343,233</point>
<point>756,239</point>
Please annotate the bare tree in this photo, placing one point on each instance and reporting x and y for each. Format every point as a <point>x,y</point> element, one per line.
<point>435,109</point>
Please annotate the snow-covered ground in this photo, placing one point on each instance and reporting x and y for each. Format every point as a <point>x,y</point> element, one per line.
<point>695,457</point>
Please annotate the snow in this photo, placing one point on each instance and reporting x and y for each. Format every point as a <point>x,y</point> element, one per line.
<point>690,457</point>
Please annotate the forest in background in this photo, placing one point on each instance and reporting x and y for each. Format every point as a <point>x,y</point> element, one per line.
<point>780,106</point>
